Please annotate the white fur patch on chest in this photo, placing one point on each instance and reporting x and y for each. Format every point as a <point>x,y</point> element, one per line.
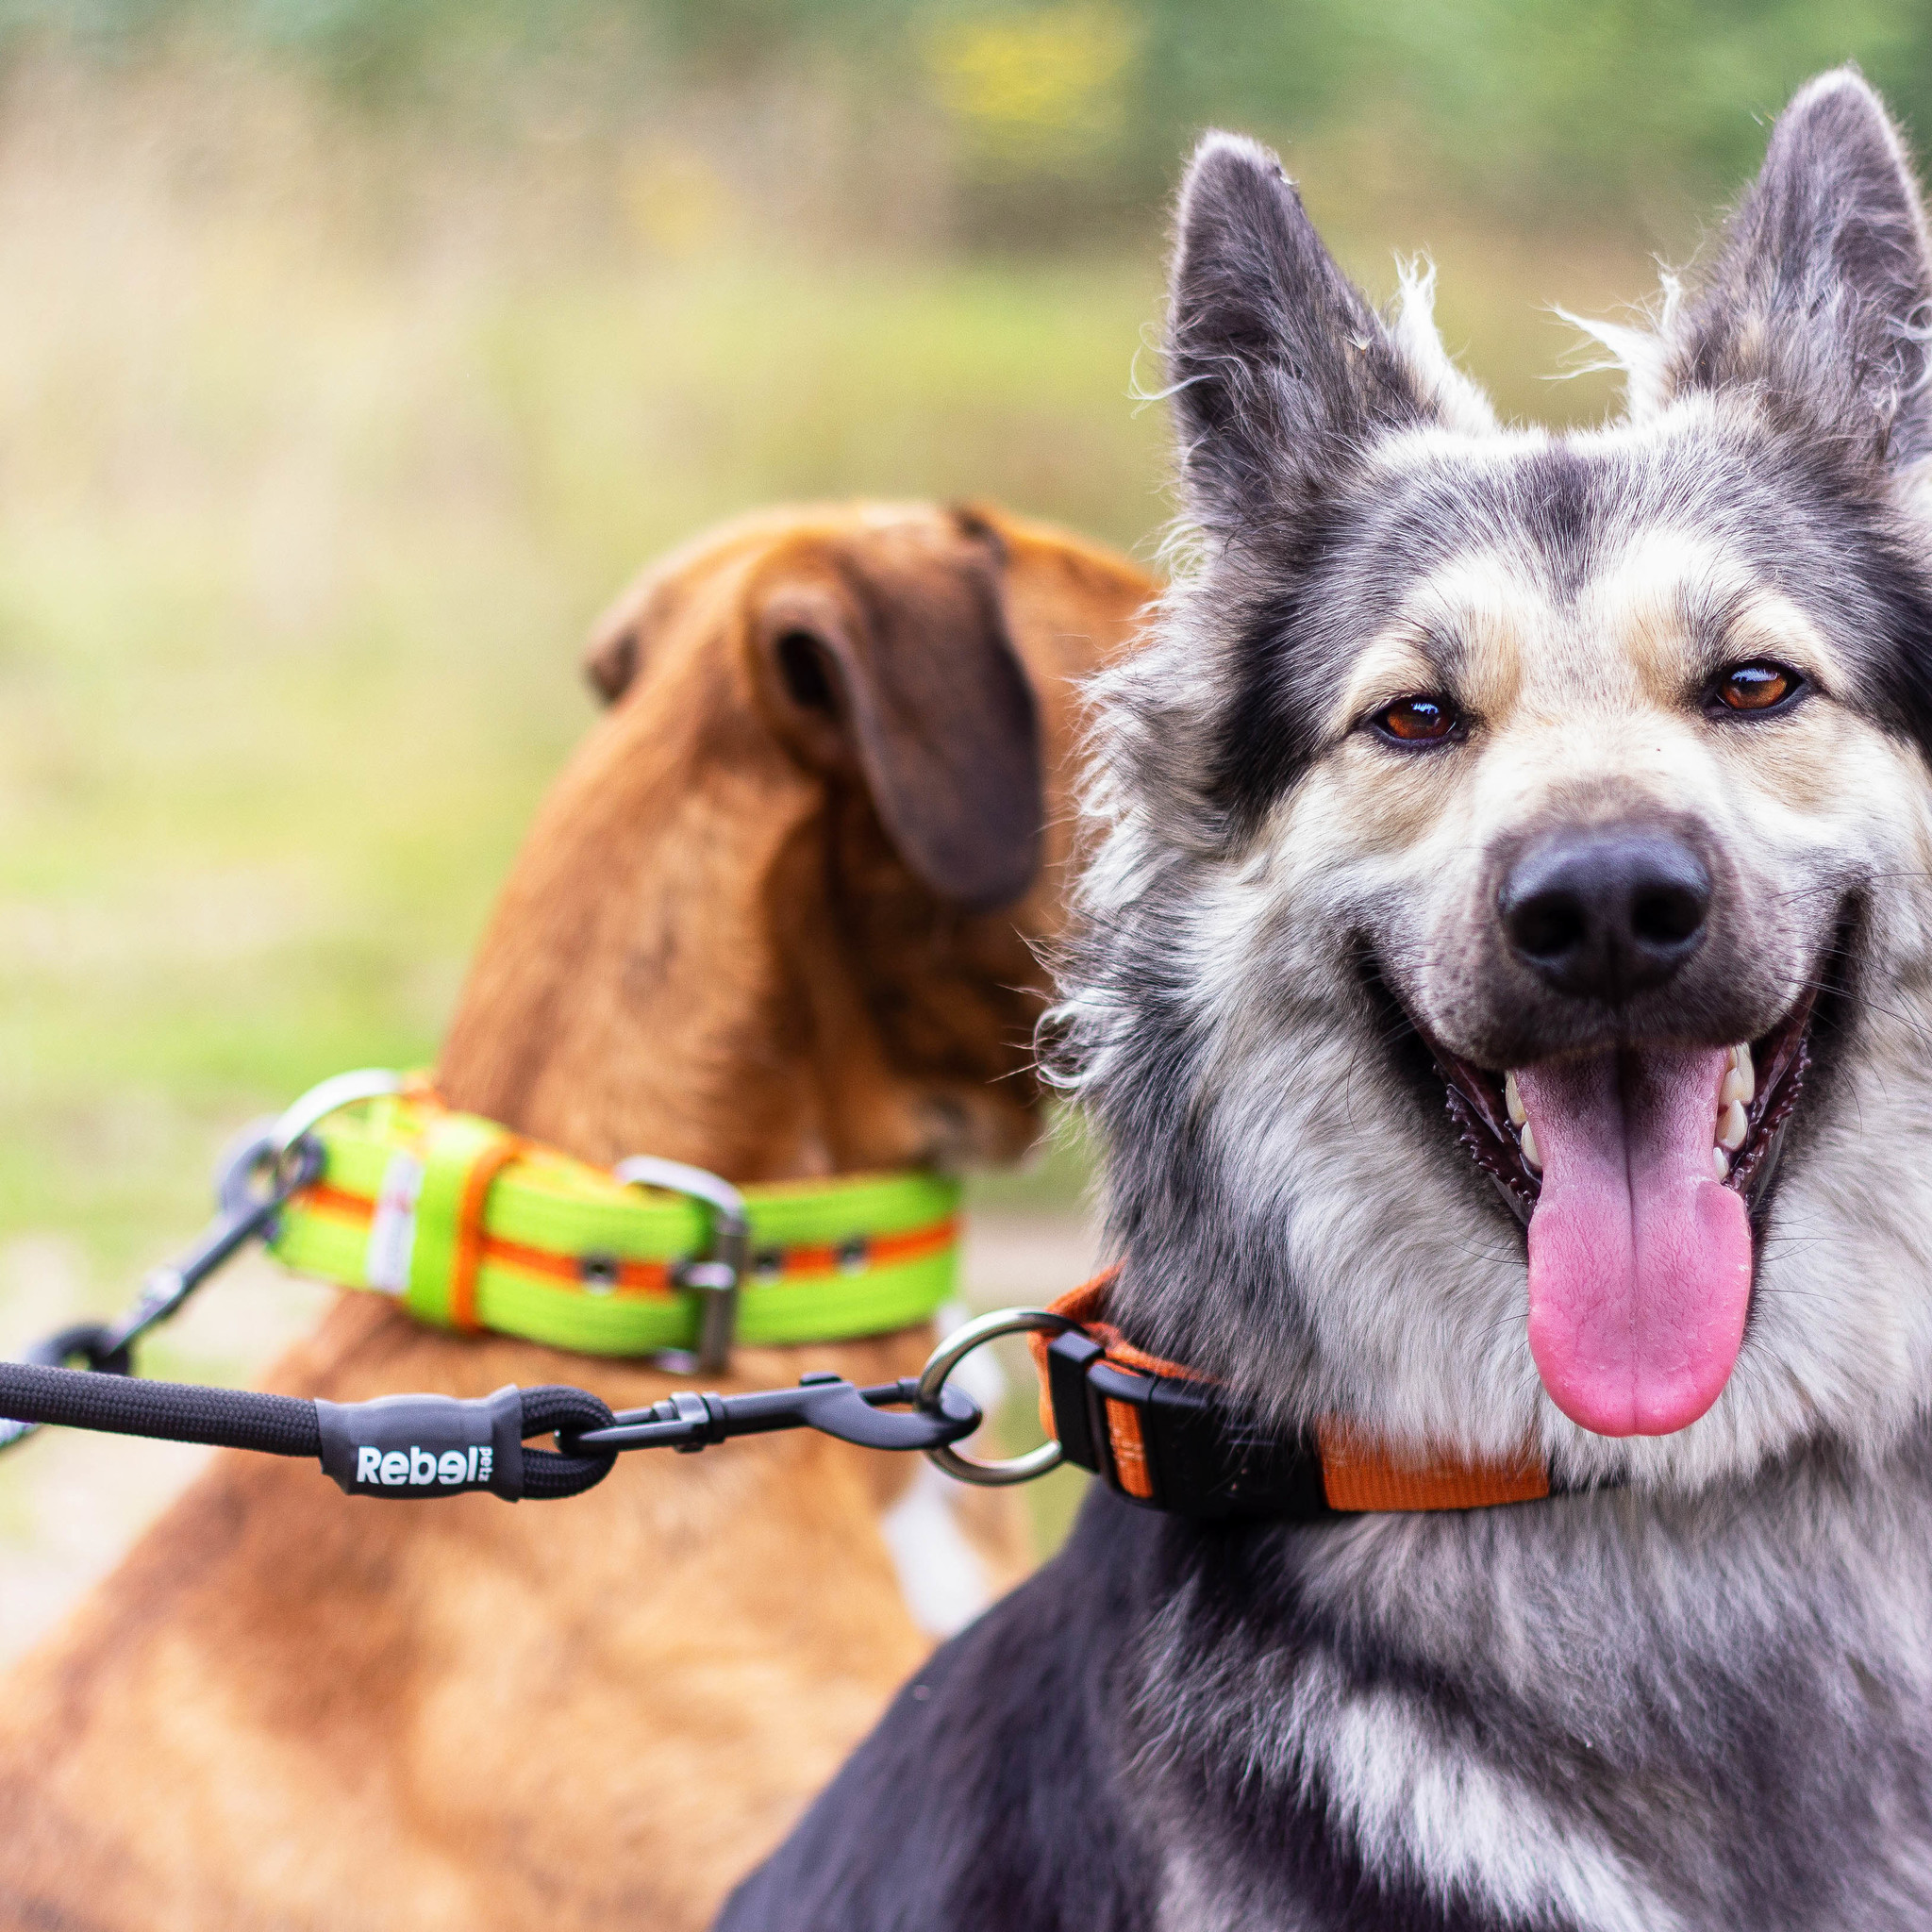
<point>941,1575</point>
<point>1421,1813</point>
<point>1411,1803</point>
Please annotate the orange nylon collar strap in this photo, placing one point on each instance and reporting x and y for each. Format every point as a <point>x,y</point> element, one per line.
<point>1154,1431</point>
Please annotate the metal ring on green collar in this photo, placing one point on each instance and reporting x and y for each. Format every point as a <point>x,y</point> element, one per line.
<point>340,1090</point>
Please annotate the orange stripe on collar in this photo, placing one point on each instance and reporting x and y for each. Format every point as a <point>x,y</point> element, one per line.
<point>482,1170</point>
<point>1360,1475</point>
<point>1150,1429</point>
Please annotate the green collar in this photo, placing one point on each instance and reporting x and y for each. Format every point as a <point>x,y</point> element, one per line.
<point>476,1228</point>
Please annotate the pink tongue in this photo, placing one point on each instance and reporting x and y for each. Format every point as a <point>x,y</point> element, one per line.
<point>1639,1261</point>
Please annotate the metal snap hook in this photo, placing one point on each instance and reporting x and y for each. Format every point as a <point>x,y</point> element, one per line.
<point>948,1356</point>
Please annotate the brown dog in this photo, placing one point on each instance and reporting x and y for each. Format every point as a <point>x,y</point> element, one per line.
<point>774,920</point>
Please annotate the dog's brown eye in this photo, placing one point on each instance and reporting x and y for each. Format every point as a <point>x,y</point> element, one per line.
<point>1417,721</point>
<point>1760,685</point>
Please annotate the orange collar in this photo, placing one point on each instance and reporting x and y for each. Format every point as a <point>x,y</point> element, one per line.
<point>1154,1431</point>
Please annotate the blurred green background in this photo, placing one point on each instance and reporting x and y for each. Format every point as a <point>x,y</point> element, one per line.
<point>354,351</point>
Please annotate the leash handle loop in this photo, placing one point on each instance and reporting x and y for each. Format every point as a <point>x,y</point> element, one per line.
<point>245,1215</point>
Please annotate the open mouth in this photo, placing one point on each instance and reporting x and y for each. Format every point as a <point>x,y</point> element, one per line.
<point>1637,1171</point>
<point>1759,1087</point>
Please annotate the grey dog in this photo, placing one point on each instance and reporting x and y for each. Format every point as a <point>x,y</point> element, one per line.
<point>1504,990</point>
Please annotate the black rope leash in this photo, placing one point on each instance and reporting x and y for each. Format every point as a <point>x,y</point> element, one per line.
<point>253,1183</point>
<point>416,1447</point>
<point>172,1412</point>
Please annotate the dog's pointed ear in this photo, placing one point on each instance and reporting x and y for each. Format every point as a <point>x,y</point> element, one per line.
<point>1280,369</point>
<point>1821,295</point>
<point>892,661</point>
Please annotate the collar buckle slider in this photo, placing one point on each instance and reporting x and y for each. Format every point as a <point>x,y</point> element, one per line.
<point>715,1277</point>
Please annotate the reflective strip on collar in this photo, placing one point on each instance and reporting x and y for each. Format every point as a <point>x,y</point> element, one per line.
<point>392,1227</point>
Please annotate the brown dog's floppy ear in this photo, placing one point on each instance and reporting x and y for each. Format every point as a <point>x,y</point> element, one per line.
<point>890,658</point>
<point>620,637</point>
<point>611,662</point>
<point>610,659</point>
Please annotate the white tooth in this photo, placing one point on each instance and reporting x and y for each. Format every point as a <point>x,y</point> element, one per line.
<point>1732,1127</point>
<point>1513,1101</point>
<point>1531,1158</point>
<point>1720,1164</point>
<point>1740,1083</point>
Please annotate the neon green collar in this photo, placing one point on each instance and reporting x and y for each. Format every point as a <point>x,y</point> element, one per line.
<point>474,1229</point>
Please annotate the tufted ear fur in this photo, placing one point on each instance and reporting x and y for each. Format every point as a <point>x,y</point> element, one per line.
<point>891,660</point>
<point>1819,297</point>
<point>1280,369</point>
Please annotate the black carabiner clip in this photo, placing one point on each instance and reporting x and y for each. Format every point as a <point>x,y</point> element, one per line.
<point>822,1401</point>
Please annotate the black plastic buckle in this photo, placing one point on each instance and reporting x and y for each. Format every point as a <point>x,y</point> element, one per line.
<point>1197,1459</point>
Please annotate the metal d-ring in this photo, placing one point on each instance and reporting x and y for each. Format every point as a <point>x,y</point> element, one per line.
<point>719,1278</point>
<point>948,1356</point>
<point>344,1090</point>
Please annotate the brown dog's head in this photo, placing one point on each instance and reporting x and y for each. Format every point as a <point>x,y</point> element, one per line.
<point>778,914</point>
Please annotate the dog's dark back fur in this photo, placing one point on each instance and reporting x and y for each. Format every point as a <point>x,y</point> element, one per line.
<point>1700,1698</point>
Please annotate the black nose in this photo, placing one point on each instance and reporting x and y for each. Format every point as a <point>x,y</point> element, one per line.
<point>1606,913</point>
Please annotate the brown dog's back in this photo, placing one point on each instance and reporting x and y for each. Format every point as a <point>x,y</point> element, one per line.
<point>740,934</point>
